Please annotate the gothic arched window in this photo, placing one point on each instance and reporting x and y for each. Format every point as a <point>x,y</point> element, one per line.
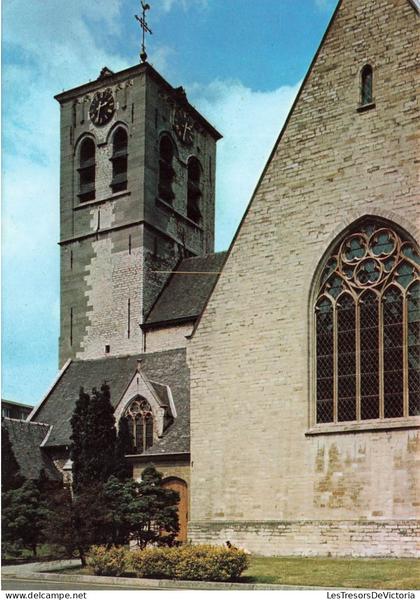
<point>367,323</point>
<point>119,160</point>
<point>139,417</point>
<point>166,170</point>
<point>366,95</point>
<point>87,170</point>
<point>194,190</point>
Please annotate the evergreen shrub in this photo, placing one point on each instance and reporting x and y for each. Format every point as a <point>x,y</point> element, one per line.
<point>154,563</point>
<point>204,563</point>
<point>112,562</point>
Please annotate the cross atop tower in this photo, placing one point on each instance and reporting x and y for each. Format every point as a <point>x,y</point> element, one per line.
<point>145,29</point>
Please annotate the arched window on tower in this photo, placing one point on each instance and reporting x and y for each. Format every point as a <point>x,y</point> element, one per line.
<point>139,417</point>
<point>366,95</point>
<point>367,327</point>
<point>119,160</point>
<point>86,170</point>
<point>166,169</point>
<point>194,190</point>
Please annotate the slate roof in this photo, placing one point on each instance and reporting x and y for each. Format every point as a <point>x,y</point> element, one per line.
<point>187,289</point>
<point>165,368</point>
<point>26,439</point>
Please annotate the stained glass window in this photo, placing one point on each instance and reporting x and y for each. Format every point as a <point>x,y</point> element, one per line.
<point>367,323</point>
<point>139,416</point>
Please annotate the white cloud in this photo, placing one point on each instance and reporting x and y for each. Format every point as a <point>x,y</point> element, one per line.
<point>57,46</point>
<point>168,5</point>
<point>53,45</point>
<point>250,122</point>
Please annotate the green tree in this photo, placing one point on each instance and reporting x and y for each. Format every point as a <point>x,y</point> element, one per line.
<point>22,515</point>
<point>122,469</point>
<point>93,448</point>
<point>76,522</point>
<point>155,517</point>
<point>145,511</point>
<point>99,459</point>
<point>79,424</point>
<point>11,477</point>
<point>119,509</point>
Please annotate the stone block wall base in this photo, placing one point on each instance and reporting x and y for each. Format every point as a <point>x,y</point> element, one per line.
<point>313,538</point>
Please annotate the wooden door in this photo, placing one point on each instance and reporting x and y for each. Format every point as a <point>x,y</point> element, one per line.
<point>179,485</point>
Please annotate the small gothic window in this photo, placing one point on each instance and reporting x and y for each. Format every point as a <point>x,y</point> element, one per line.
<point>367,85</point>
<point>87,170</point>
<point>194,190</point>
<point>166,170</point>
<point>119,160</point>
<point>367,323</point>
<point>139,416</point>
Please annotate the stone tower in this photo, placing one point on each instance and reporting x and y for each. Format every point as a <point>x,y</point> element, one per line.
<point>137,194</point>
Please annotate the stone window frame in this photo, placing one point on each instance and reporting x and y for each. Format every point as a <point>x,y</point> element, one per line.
<point>119,157</point>
<point>335,426</point>
<point>194,189</point>
<point>166,169</point>
<point>86,190</point>
<point>140,413</point>
<point>366,100</point>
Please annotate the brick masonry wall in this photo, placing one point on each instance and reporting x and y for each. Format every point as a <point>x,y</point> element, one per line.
<point>166,338</point>
<point>251,391</point>
<point>313,538</point>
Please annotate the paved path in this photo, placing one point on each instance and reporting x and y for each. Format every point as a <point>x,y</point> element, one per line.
<point>40,584</point>
<point>42,575</point>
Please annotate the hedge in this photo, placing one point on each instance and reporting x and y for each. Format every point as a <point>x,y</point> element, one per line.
<point>112,561</point>
<point>204,563</point>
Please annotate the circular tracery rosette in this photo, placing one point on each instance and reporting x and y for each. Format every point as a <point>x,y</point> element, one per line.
<point>138,408</point>
<point>370,258</point>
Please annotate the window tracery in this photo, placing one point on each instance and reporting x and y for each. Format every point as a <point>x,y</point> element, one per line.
<point>139,417</point>
<point>87,170</point>
<point>367,320</point>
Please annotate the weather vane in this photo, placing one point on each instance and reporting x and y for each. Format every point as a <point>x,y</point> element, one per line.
<point>145,29</point>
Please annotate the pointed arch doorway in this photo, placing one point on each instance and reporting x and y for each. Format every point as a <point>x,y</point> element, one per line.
<point>180,486</point>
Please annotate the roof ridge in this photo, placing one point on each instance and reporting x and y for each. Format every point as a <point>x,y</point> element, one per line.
<point>27,422</point>
<point>204,255</point>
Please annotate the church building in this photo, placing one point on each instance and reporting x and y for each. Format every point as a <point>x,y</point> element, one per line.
<point>276,386</point>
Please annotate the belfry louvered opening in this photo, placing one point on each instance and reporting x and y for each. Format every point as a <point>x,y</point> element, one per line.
<point>87,170</point>
<point>367,325</point>
<point>166,169</point>
<point>119,160</point>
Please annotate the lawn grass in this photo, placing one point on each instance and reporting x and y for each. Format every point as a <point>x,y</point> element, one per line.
<point>44,552</point>
<point>370,573</point>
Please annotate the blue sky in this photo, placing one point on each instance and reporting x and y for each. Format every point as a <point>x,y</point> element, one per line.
<point>241,62</point>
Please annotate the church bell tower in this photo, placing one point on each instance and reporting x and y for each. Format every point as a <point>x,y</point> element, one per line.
<point>137,194</point>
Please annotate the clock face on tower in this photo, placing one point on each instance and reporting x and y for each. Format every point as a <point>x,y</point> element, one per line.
<point>184,127</point>
<point>102,107</point>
